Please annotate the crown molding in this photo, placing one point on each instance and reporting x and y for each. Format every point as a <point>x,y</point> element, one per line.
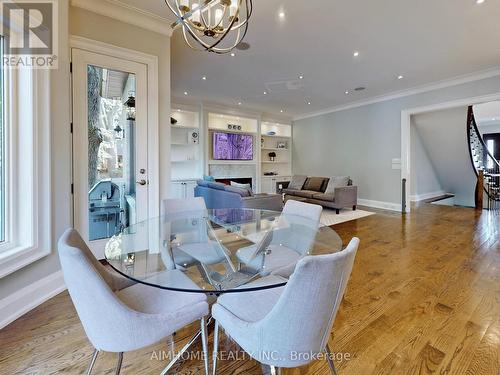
<point>477,76</point>
<point>128,14</point>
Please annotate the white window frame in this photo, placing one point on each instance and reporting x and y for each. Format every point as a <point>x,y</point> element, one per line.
<point>27,168</point>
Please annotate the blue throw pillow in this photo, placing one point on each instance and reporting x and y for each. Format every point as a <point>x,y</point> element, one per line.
<point>208,178</point>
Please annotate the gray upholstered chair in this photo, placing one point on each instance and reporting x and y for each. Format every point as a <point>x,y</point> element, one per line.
<point>275,326</point>
<point>197,247</point>
<point>284,247</point>
<point>118,315</point>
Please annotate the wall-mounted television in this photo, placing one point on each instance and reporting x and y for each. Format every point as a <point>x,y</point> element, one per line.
<point>230,146</point>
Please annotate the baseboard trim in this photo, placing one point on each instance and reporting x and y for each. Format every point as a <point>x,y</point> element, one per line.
<point>423,197</point>
<point>19,303</point>
<point>379,204</point>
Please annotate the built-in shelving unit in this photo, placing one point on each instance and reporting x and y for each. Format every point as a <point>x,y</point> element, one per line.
<point>185,142</point>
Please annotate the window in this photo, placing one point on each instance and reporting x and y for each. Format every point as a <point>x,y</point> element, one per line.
<point>2,149</point>
<point>25,175</point>
<point>490,144</point>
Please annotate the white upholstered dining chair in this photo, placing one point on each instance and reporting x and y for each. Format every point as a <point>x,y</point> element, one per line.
<point>301,222</point>
<point>197,248</point>
<point>118,315</point>
<point>283,327</point>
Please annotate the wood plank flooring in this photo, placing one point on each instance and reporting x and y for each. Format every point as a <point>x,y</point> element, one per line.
<point>424,298</point>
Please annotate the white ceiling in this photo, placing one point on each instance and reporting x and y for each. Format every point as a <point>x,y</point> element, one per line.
<point>424,40</point>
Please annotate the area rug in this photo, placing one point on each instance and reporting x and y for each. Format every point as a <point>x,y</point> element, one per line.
<point>329,217</point>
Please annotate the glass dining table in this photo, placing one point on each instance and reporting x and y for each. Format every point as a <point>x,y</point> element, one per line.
<point>219,250</point>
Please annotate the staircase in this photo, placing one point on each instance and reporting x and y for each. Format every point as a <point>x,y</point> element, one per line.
<point>486,167</point>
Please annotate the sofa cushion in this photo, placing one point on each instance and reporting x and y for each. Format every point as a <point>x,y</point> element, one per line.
<point>208,178</point>
<point>305,193</point>
<point>297,182</point>
<point>337,181</point>
<point>217,185</point>
<point>329,197</point>
<point>233,189</point>
<point>247,187</point>
<point>314,183</point>
<point>202,183</point>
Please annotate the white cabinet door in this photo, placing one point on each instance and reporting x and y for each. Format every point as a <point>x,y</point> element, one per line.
<point>190,185</point>
<point>178,190</point>
<point>268,185</point>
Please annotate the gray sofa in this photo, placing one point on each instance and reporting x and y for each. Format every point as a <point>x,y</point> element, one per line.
<point>336,193</point>
<point>218,195</point>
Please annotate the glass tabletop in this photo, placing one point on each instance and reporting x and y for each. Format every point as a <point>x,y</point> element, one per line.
<point>218,251</point>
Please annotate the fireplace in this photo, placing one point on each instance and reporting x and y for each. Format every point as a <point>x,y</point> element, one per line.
<point>239,180</point>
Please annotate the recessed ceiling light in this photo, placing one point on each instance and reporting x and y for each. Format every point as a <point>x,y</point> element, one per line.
<point>239,103</point>
<point>204,78</point>
<point>282,111</point>
<point>233,54</point>
<point>282,14</point>
<point>308,103</point>
<point>185,92</point>
<point>265,92</point>
<point>355,54</point>
<point>301,77</point>
<point>479,1</point>
<point>400,77</point>
<point>346,92</point>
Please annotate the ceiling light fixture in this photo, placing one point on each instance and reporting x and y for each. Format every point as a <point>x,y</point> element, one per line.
<point>400,77</point>
<point>308,103</point>
<point>204,78</point>
<point>355,54</point>
<point>265,92</point>
<point>346,92</point>
<point>282,14</point>
<point>239,103</point>
<point>212,25</point>
<point>301,77</point>
<point>479,1</point>
<point>185,92</point>
<point>233,54</point>
<point>282,111</point>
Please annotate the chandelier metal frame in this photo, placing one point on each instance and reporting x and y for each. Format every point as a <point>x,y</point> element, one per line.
<point>199,24</point>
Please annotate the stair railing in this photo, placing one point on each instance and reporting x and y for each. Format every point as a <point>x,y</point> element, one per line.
<point>485,165</point>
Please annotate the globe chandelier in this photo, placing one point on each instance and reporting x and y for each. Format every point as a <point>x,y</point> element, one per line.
<point>212,25</point>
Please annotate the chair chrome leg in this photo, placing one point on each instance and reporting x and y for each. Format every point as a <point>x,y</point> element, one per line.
<point>275,370</point>
<point>92,361</point>
<point>119,364</point>
<point>216,348</point>
<point>181,352</point>
<point>329,358</point>
<point>204,343</point>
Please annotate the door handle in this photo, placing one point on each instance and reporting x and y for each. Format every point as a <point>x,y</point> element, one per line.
<point>142,182</point>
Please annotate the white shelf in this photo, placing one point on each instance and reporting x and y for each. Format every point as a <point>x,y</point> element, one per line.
<point>276,136</point>
<point>275,162</point>
<point>184,127</point>
<point>274,149</point>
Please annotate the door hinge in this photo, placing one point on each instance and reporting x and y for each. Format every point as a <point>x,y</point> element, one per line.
<point>72,189</point>
<point>71,67</point>
<point>71,127</point>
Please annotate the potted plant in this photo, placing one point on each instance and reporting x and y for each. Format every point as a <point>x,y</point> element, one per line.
<point>272,156</point>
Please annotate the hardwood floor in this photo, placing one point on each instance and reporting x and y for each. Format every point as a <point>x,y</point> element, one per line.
<point>424,297</point>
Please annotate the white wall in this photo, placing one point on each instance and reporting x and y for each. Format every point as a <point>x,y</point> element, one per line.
<point>444,134</point>
<point>361,141</point>
<point>424,178</point>
<point>18,291</point>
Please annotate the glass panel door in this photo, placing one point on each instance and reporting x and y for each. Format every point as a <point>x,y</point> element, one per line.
<point>111,135</point>
<point>110,139</point>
